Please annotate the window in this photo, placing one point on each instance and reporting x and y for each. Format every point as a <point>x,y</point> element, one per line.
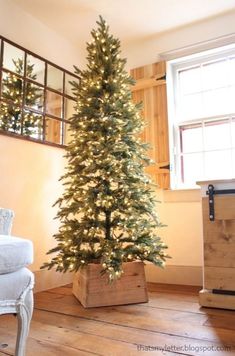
<point>201,97</point>
<point>36,98</point>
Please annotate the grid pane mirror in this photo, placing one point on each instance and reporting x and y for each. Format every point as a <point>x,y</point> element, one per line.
<point>36,98</point>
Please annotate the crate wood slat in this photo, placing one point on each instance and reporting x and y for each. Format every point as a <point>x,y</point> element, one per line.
<point>224,207</point>
<point>219,278</point>
<point>94,290</point>
<point>147,83</point>
<point>210,300</point>
<point>218,231</point>
<point>219,255</point>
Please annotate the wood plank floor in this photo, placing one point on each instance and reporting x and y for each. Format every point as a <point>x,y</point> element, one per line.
<point>172,320</point>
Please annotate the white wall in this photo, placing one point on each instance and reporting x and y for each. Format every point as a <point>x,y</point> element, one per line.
<point>149,50</point>
<point>20,27</point>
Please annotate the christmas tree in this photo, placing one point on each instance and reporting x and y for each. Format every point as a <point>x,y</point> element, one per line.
<point>11,118</point>
<point>107,211</point>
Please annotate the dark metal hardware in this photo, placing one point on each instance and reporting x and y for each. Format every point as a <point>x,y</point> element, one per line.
<point>165,167</point>
<point>225,292</point>
<point>211,192</point>
<point>162,78</point>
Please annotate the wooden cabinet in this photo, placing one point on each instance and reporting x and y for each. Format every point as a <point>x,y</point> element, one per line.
<point>218,210</point>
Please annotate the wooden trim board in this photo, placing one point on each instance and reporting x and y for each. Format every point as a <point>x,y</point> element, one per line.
<point>172,274</point>
<point>47,279</point>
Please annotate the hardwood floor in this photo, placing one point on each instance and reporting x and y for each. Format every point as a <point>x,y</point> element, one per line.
<point>172,320</point>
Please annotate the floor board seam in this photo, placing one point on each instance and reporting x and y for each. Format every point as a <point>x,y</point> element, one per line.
<point>141,329</point>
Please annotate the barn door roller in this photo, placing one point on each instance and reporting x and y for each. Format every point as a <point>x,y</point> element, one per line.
<point>211,192</point>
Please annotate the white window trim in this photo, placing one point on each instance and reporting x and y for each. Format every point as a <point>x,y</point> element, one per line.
<point>172,89</point>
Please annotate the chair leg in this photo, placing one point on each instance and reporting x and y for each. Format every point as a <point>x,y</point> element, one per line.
<point>24,315</point>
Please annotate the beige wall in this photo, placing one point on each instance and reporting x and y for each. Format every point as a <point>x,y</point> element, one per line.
<point>30,171</point>
<point>22,28</point>
<point>29,185</point>
<point>181,212</point>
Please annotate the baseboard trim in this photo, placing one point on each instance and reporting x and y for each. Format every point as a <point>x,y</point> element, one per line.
<point>172,274</point>
<point>47,279</point>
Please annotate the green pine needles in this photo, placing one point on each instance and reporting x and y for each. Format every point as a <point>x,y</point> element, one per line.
<point>107,212</point>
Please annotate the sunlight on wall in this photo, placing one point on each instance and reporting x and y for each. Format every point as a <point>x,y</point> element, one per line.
<point>29,186</point>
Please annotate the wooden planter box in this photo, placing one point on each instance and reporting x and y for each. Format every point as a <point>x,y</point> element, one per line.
<point>94,290</point>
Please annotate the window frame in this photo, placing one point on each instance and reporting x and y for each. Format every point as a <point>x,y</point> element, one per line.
<point>45,88</point>
<point>173,95</point>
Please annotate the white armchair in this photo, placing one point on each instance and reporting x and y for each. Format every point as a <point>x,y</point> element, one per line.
<point>16,281</point>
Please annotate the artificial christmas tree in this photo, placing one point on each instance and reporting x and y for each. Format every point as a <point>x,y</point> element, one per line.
<point>12,117</point>
<point>107,212</point>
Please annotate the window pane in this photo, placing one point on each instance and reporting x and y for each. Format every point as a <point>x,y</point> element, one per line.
<point>35,69</point>
<point>218,165</point>
<point>12,88</point>
<point>67,134</point>
<point>215,75</point>
<point>190,80</point>
<point>54,104</point>
<point>54,78</point>
<point>34,96</point>
<point>33,125</point>
<point>233,132</point>
<point>191,106</point>
<point>68,87</point>
<point>191,138</point>
<point>13,58</point>
<point>10,117</point>
<point>233,163</point>
<point>192,168</point>
<point>53,131</point>
<point>217,135</point>
<point>232,71</point>
<point>69,108</point>
<point>216,102</point>
<point>231,99</point>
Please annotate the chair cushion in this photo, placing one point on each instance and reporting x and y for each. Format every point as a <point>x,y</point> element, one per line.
<point>12,285</point>
<point>15,253</point>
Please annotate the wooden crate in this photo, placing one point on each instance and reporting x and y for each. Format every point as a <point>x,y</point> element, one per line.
<point>94,290</point>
